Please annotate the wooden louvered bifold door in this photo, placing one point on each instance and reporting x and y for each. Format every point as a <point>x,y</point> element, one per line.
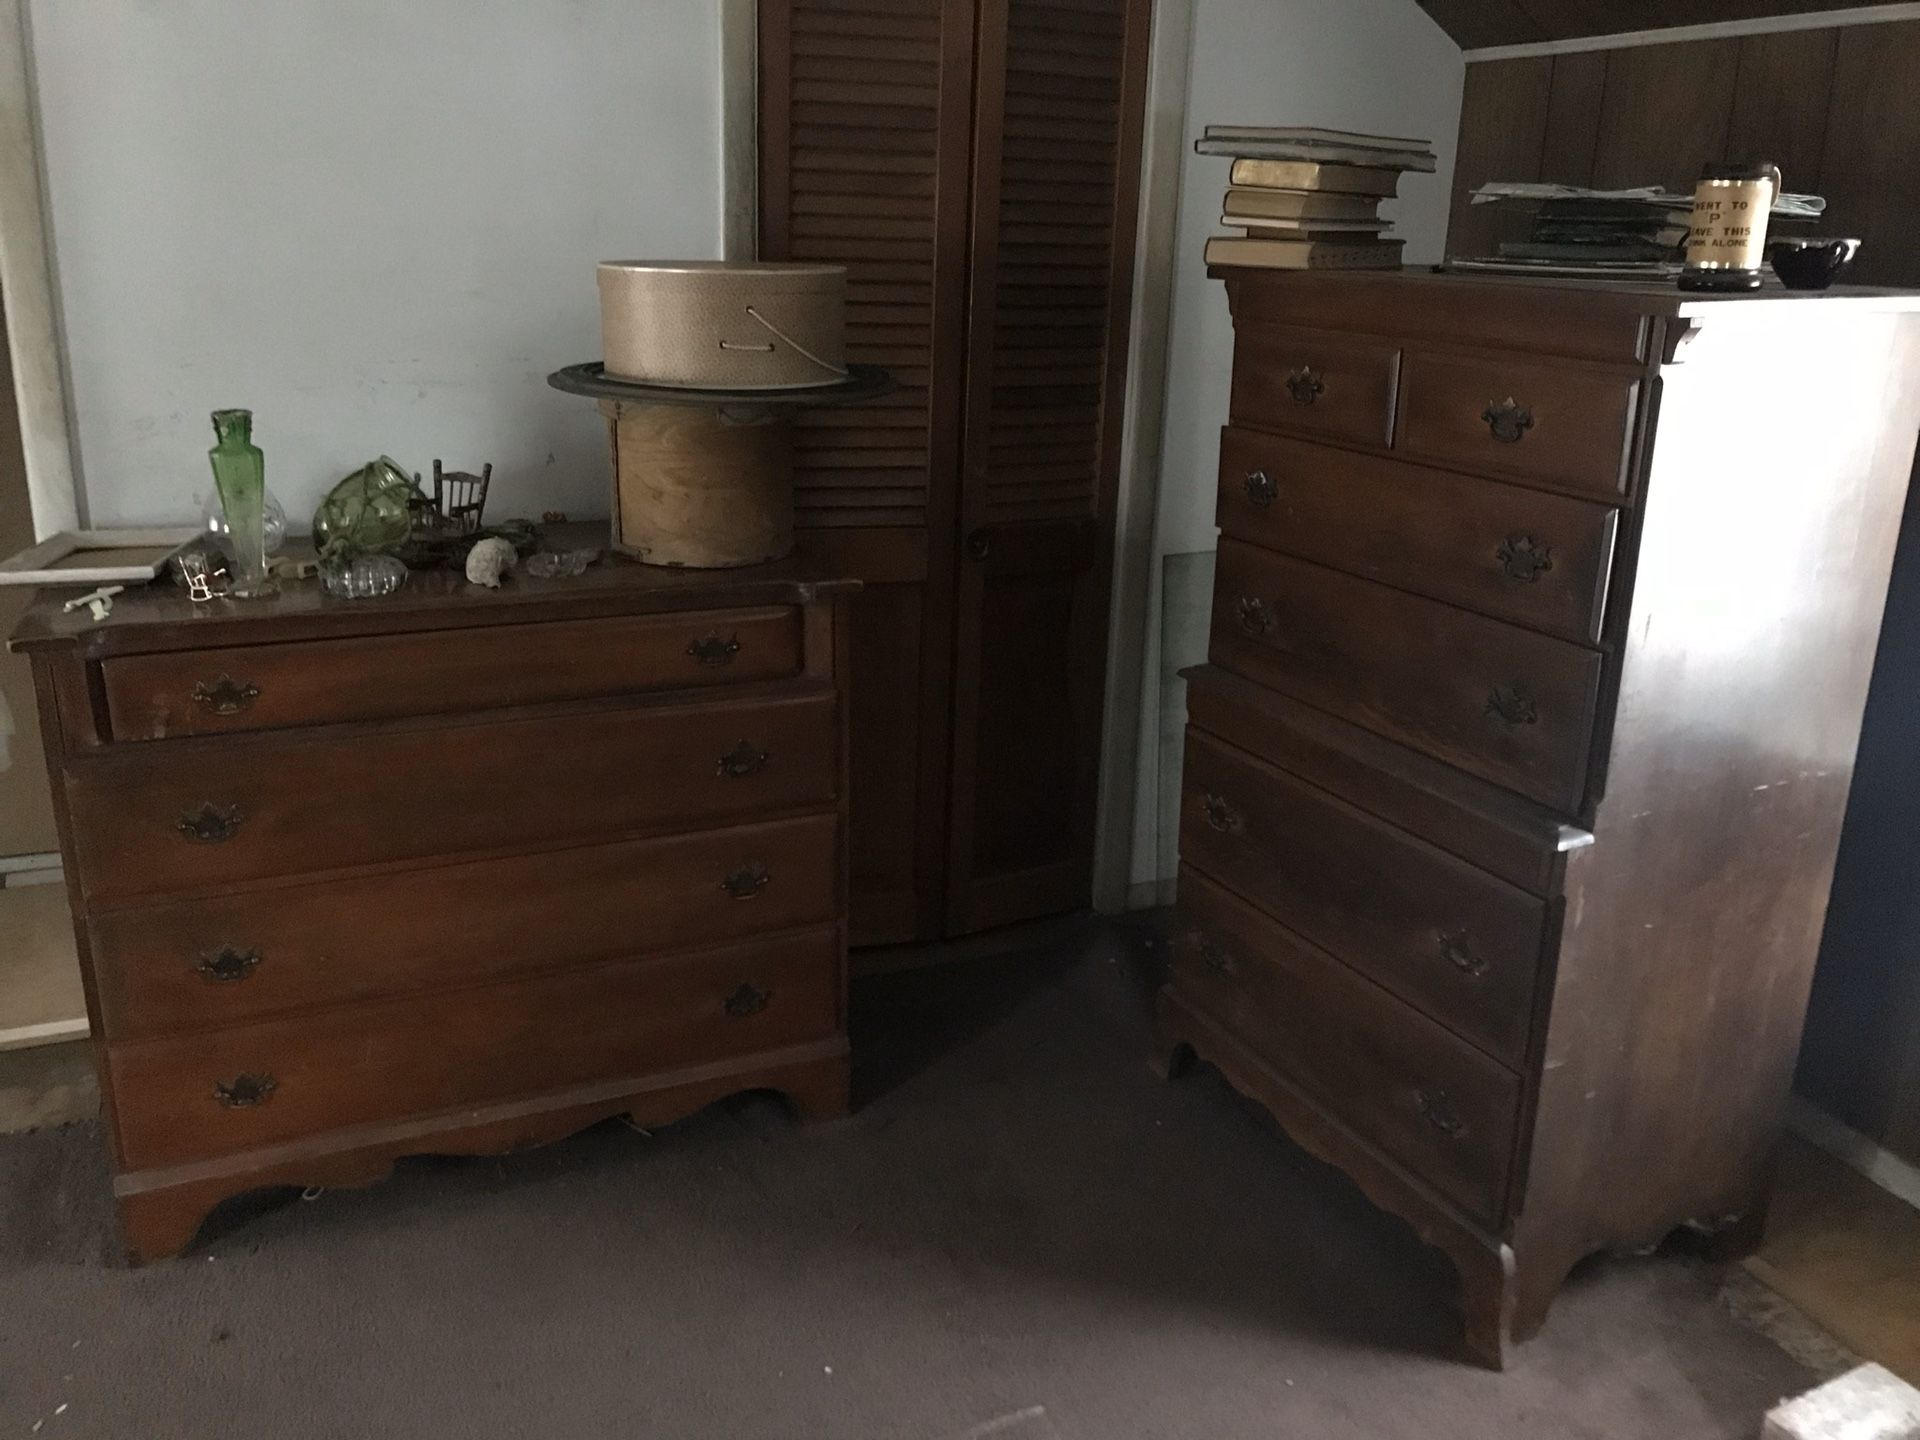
<point>865,128</point>
<point>1060,89</point>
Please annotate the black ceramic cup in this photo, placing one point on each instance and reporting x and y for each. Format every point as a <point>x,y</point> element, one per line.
<point>1811,264</point>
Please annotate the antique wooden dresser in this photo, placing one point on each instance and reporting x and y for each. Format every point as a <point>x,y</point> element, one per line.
<point>455,871</point>
<point>1543,620</point>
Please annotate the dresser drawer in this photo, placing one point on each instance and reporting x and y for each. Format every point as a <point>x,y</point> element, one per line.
<point>1499,701</point>
<point>195,965</point>
<point>1453,940</point>
<point>203,814</point>
<point>1538,560</point>
<point>1316,382</point>
<point>381,677</point>
<point>1518,416</point>
<point>194,1098</point>
<point>1439,1107</point>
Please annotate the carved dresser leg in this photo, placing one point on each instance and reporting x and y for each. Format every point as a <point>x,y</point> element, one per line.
<point>159,1224</point>
<point>823,1092</point>
<point>1171,1056</point>
<point>1486,1303</point>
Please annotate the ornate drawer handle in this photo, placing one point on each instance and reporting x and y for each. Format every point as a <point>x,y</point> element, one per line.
<point>749,999</point>
<point>210,824</point>
<point>1440,1114</point>
<point>244,1092</point>
<point>1455,950</point>
<point>748,881</point>
<point>226,965</point>
<point>1261,491</point>
<point>1220,815</point>
<point>1512,706</point>
<point>1524,557</point>
<point>224,695</point>
<point>1305,385</point>
<point>1508,419</point>
<point>1213,954</point>
<point>1254,615</point>
<point>712,650</point>
<point>744,759</point>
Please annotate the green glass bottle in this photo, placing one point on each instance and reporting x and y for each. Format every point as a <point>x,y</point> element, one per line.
<point>240,475</point>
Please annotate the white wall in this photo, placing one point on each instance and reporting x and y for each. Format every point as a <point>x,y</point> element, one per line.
<point>1373,65</point>
<point>373,224</point>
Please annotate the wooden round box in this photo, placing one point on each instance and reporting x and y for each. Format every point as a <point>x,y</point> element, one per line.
<point>722,324</point>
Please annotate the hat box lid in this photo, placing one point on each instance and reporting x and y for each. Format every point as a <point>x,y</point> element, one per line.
<point>724,324</point>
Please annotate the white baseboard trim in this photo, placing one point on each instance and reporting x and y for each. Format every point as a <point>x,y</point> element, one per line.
<point>48,1032</point>
<point>1880,1165</point>
<point>1149,894</point>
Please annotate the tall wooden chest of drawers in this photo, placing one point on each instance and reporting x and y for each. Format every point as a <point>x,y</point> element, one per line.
<point>456,871</point>
<point>1543,622</point>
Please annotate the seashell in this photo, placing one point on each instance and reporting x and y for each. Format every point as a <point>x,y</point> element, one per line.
<point>489,561</point>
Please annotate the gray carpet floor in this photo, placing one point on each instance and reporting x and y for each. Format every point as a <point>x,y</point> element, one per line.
<point>1019,1218</point>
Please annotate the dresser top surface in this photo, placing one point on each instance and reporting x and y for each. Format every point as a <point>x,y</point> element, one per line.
<point>159,616</point>
<point>1647,297</point>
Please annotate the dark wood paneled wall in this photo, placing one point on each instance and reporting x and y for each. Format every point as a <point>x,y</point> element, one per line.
<point>1833,109</point>
<point>1828,106</point>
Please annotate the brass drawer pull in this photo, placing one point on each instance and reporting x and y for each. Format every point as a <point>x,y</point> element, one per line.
<point>1508,420</point>
<point>225,695</point>
<point>1213,955</point>
<point>1305,385</point>
<point>1511,706</point>
<point>748,881</point>
<point>1440,1114</point>
<point>244,1092</point>
<point>749,999</point>
<point>1455,950</point>
<point>712,650</point>
<point>210,824</point>
<point>744,759</point>
<point>226,965</point>
<point>1261,491</point>
<point>1220,815</point>
<point>1254,615</point>
<point>1524,557</point>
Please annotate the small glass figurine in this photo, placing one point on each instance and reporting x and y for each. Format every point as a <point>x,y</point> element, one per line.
<point>213,515</point>
<point>363,577</point>
<point>240,475</point>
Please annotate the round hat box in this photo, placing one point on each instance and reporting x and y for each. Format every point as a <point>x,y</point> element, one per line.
<point>723,324</point>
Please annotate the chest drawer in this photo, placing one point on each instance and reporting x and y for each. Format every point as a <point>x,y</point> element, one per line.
<point>1317,383</point>
<point>202,814</point>
<point>1560,426</point>
<point>1499,701</point>
<point>214,1094</point>
<point>1458,943</point>
<point>1437,1106</point>
<point>383,677</point>
<point>229,958</point>
<point>1538,560</point>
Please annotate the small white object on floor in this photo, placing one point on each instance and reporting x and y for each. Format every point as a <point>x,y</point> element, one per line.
<point>1869,1402</point>
<point>489,560</point>
<point>1028,1424</point>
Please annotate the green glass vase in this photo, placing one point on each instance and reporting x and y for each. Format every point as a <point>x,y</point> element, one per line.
<point>240,475</point>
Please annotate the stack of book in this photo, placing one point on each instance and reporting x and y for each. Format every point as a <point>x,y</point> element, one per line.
<point>1639,233</point>
<point>1650,230</point>
<point>1305,198</point>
